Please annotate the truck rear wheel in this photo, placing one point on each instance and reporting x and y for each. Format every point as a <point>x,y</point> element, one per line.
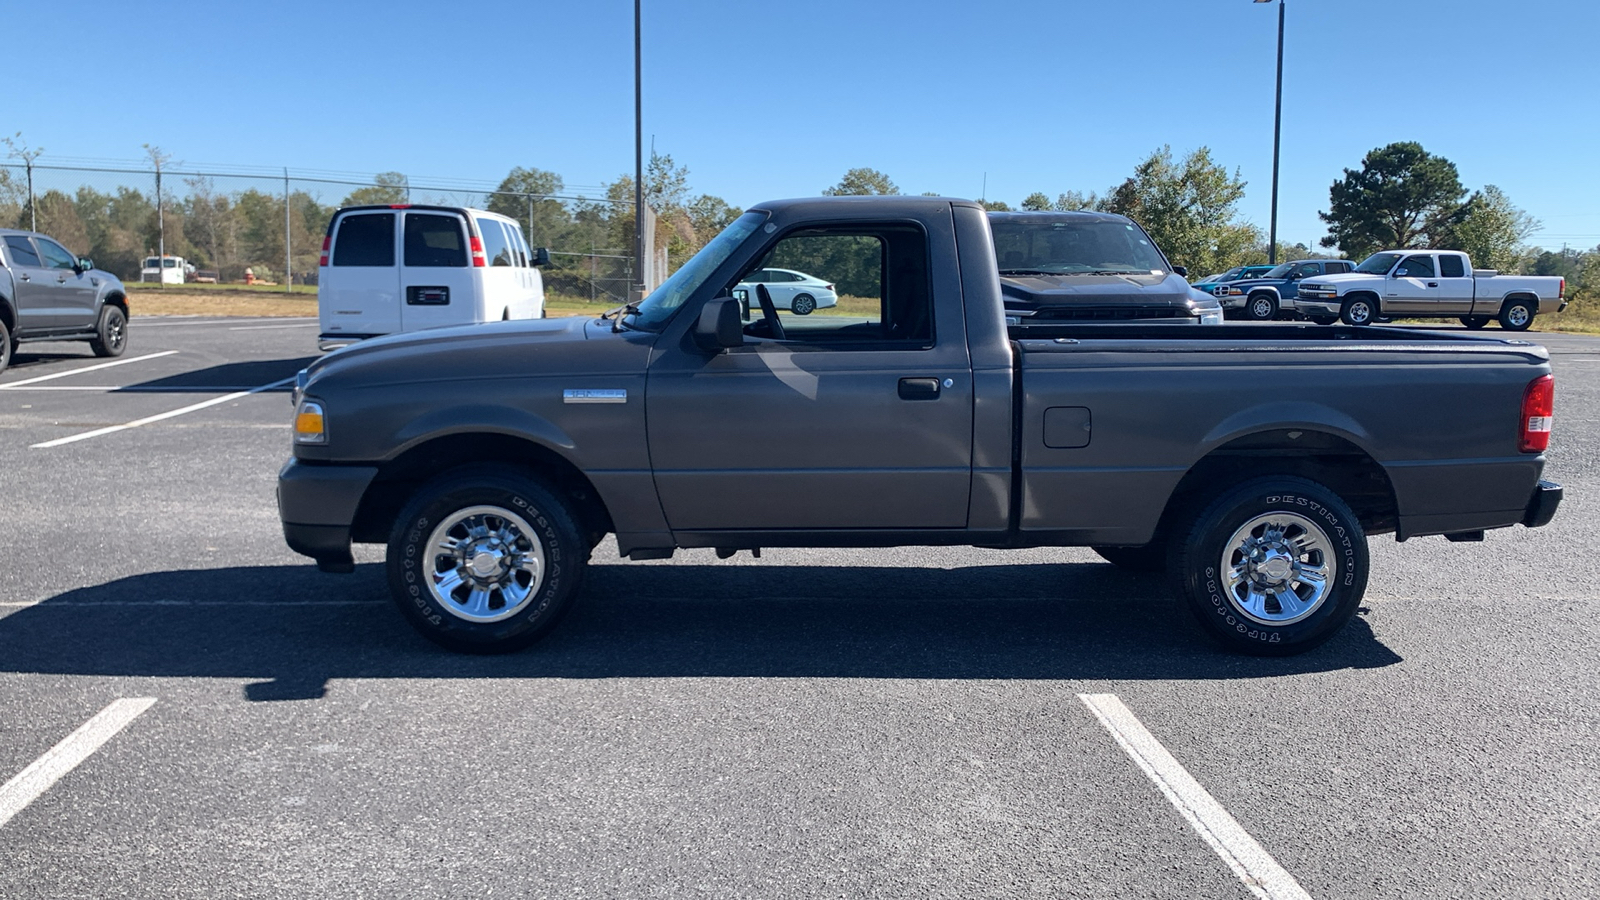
<point>1324,320</point>
<point>1517,315</point>
<point>1272,567</point>
<point>5,346</point>
<point>1475,322</point>
<point>485,560</point>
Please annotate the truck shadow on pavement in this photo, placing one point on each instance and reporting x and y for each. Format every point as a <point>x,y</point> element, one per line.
<point>236,376</point>
<point>290,629</point>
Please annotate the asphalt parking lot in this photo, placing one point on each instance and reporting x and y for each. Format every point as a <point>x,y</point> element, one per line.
<point>916,722</point>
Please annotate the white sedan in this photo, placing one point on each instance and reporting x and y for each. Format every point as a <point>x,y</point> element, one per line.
<point>797,292</point>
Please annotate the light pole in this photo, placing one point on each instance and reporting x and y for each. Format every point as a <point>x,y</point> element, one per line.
<point>1277,131</point>
<point>638,164</point>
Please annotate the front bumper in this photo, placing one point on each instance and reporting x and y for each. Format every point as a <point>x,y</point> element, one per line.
<point>317,505</point>
<point>1318,306</point>
<point>1542,505</point>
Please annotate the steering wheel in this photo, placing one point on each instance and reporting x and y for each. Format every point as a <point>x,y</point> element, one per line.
<point>769,312</point>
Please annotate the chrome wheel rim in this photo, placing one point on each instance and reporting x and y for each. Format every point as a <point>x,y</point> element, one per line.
<point>484,564</point>
<point>1262,308</point>
<point>1517,315</point>
<point>1278,568</point>
<point>1360,313</point>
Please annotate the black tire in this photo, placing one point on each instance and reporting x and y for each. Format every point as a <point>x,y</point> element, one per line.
<point>1475,322</point>
<point>1261,307</point>
<point>1358,310</point>
<point>1151,557</point>
<point>1517,315</point>
<point>507,502</point>
<point>1266,514</point>
<point>803,305</point>
<point>1324,320</point>
<point>111,332</point>
<point>6,347</point>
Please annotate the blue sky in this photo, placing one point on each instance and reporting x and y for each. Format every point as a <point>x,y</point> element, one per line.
<point>766,100</point>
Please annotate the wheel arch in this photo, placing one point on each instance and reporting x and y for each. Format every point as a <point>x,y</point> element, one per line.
<point>1315,452</point>
<point>1529,296</point>
<point>399,478</point>
<point>119,300</point>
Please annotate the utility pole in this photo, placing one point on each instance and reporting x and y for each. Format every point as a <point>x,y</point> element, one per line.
<point>1277,131</point>
<point>159,159</point>
<point>638,163</point>
<point>27,155</point>
<point>288,235</point>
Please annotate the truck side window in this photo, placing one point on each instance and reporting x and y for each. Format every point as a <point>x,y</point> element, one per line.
<point>850,286</point>
<point>434,241</point>
<point>55,255</point>
<point>22,251</point>
<point>1450,267</point>
<point>365,240</point>
<point>1416,267</point>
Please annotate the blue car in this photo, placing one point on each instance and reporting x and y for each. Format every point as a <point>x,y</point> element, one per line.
<point>1273,295</point>
<point>1208,285</point>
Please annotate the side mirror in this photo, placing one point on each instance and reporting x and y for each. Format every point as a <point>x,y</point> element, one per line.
<point>720,325</point>
<point>84,264</point>
<point>541,256</point>
<point>743,296</point>
<point>1182,271</point>
<point>1398,273</point>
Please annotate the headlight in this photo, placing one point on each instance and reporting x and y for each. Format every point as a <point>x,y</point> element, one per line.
<point>310,423</point>
<point>1211,315</point>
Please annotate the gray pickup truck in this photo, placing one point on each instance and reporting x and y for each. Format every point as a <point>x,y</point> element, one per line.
<point>48,294</point>
<point>1250,462</point>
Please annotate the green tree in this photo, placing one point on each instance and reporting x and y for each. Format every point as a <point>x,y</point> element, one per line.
<point>524,195</point>
<point>995,205</point>
<point>1189,207</point>
<point>1402,197</point>
<point>1492,230</point>
<point>387,187</point>
<point>862,183</point>
<point>1036,202</point>
<point>1072,201</point>
<point>58,217</point>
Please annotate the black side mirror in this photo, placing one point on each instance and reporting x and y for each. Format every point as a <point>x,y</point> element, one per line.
<point>1182,271</point>
<point>84,264</point>
<point>743,296</point>
<point>720,325</point>
<point>541,256</point>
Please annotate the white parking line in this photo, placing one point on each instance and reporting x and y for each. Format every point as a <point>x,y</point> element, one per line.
<point>78,746</point>
<point>160,416</point>
<point>1254,866</point>
<point>106,365</point>
<point>141,389</point>
<point>267,327</point>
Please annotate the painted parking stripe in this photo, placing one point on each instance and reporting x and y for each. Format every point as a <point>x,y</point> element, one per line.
<point>78,746</point>
<point>160,416</point>
<point>106,365</point>
<point>267,327</point>
<point>1215,825</point>
<point>141,389</point>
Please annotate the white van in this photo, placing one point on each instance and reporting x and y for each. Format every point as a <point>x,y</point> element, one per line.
<point>388,269</point>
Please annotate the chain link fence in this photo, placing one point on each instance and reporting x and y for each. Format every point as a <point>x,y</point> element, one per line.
<point>232,228</point>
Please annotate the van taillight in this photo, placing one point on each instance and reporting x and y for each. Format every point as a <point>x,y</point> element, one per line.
<point>1538,409</point>
<point>478,260</point>
<point>327,241</point>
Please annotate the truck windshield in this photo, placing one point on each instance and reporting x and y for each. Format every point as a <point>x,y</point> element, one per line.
<point>1279,271</point>
<point>1378,263</point>
<point>656,309</point>
<point>1052,247</point>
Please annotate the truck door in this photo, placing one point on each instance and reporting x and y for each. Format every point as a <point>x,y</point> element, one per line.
<point>437,281</point>
<point>73,293</point>
<point>1413,287</point>
<point>1455,285</point>
<point>38,305</point>
<point>360,291</point>
<point>853,418</point>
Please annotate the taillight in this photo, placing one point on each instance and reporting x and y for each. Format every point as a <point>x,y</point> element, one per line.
<point>327,241</point>
<point>1538,410</point>
<point>1561,294</point>
<point>478,260</point>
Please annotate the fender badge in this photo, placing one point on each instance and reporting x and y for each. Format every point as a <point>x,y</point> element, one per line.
<point>594,395</point>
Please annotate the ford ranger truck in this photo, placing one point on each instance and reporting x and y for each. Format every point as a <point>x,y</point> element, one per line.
<point>1252,462</point>
<point>1418,284</point>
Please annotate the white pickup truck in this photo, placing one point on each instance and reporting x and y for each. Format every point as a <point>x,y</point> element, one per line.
<point>1432,283</point>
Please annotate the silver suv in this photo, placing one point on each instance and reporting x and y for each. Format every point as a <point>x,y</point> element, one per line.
<point>48,294</point>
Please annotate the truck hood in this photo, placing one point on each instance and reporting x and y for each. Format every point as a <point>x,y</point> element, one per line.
<point>463,351</point>
<point>1042,293</point>
<point>1344,278</point>
<point>1245,284</point>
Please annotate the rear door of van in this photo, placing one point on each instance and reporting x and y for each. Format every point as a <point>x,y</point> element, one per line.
<point>359,292</point>
<point>436,272</point>
<point>504,294</point>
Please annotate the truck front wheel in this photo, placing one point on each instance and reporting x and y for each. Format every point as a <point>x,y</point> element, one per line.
<point>1273,567</point>
<point>1358,310</point>
<point>485,560</point>
<point>1262,307</point>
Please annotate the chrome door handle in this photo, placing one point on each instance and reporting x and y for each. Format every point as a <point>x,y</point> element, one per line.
<point>25,276</point>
